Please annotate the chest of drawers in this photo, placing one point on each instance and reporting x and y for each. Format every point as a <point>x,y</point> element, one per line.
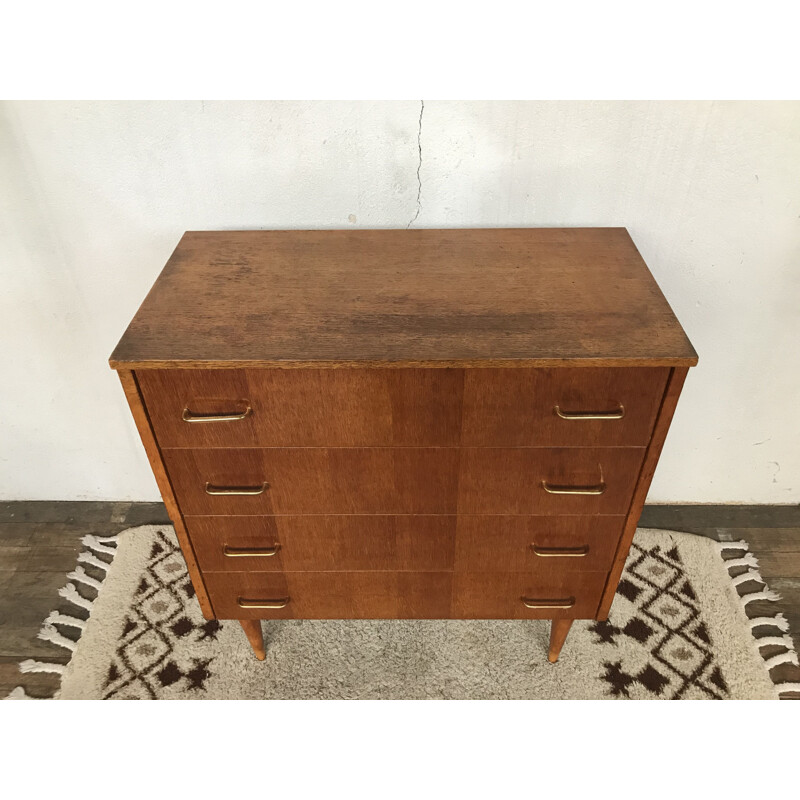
<point>404,424</point>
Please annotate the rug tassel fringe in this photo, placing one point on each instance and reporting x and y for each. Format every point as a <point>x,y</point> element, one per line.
<point>779,621</point>
<point>750,575</point>
<point>789,656</point>
<point>71,593</point>
<point>765,594</point>
<point>741,544</point>
<point>19,694</point>
<point>788,687</point>
<point>79,574</point>
<point>29,665</point>
<point>100,543</point>
<point>748,560</point>
<point>89,558</point>
<point>778,641</point>
<point>49,633</point>
<point>56,618</point>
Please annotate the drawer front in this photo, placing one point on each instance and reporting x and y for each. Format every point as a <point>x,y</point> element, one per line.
<point>521,595</point>
<point>304,408</point>
<point>246,481</point>
<point>403,407</point>
<point>572,480</point>
<point>424,543</point>
<point>324,543</point>
<point>543,545</point>
<point>330,595</point>
<point>403,595</point>
<point>315,480</point>
<point>581,407</point>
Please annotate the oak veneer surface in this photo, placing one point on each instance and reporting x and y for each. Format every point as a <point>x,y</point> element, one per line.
<point>404,480</point>
<point>403,407</point>
<point>420,543</point>
<point>406,595</point>
<point>485,297</point>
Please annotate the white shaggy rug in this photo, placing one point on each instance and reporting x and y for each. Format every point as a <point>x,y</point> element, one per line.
<point>677,630</point>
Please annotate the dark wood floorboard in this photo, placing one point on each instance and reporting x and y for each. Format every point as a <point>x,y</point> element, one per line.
<point>39,543</point>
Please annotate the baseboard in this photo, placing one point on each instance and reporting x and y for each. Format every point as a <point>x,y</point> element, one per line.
<point>708,520</point>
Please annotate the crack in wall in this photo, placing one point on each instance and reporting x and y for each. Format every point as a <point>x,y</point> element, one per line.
<point>419,166</point>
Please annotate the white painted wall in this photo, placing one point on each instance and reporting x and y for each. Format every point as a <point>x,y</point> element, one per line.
<point>94,196</point>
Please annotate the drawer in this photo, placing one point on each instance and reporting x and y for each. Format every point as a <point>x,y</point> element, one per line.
<point>539,480</point>
<point>330,595</point>
<point>304,407</point>
<point>581,407</point>
<point>308,480</point>
<point>403,595</point>
<point>521,595</point>
<point>402,407</point>
<point>324,543</point>
<point>425,543</point>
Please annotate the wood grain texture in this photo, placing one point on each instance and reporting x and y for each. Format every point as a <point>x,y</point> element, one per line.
<point>307,408</point>
<point>511,543</point>
<point>428,298</point>
<point>142,421</point>
<point>665,414</point>
<point>516,407</point>
<point>318,480</point>
<point>402,407</point>
<point>327,543</point>
<point>510,481</point>
<point>498,595</point>
<point>402,595</point>
<point>333,595</point>
<point>420,543</point>
<point>403,480</point>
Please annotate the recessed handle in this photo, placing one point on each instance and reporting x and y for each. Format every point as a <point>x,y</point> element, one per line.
<point>566,602</point>
<point>618,414</point>
<point>238,490</point>
<point>279,603</point>
<point>188,416</point>
<point>250,552</point>
<point>560,552</point>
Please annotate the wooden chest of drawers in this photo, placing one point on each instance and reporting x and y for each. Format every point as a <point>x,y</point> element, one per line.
<point>404,424</point>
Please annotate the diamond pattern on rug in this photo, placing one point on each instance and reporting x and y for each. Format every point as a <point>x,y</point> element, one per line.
<point>656,607</point>
<point>162,615</point>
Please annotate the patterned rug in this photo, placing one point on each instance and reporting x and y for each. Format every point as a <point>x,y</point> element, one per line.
<point>677,630</point>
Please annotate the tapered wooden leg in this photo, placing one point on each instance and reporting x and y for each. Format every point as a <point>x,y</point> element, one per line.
<point>559,629</point>
<point>252,627</point>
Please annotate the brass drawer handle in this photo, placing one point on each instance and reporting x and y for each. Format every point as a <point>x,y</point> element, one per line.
<point>560,552</point>
<point>250,552</point>
<point>244,603</point>
<point>239,490</point>
<point>188,416</point>
<point>567,602</point>
<point>618,414</point>
<point>596,489</point>
<point>552,489</point>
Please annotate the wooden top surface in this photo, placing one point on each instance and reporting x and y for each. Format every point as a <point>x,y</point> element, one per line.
<point>460,298</point>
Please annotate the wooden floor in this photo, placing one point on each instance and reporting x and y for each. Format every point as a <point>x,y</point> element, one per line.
<point>39,543</point>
